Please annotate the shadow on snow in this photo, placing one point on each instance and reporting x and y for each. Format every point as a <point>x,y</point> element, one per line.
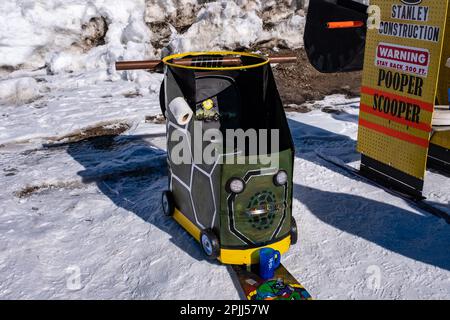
<point>421,238</point>
<point>132,173</point>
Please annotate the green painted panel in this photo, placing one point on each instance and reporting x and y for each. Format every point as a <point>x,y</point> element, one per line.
<point>260,195</point>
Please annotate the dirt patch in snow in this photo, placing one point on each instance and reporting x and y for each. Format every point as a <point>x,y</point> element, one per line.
<point>161,34</point>
<point>158,119</point>
<point>300,82</point>
<point>29,190</point>
<point>132,95</point>
<point>102,129</point>
<point>93,33</point>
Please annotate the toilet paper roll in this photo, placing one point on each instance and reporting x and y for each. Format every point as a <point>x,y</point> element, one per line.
<point>180,110</point>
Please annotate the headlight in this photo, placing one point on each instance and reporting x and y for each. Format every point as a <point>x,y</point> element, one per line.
<point>281,178</point>
<point>235,185</point>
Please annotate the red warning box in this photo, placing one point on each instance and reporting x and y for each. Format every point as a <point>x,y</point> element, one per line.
<point>406,59</point>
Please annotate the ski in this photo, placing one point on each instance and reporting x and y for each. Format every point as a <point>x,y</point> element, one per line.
<point>283,286</point>
<point>418,203</point>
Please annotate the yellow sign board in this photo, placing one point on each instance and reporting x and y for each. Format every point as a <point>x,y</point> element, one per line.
<point>443,95</point>
<point>401,71</point>
<point>441,139</point>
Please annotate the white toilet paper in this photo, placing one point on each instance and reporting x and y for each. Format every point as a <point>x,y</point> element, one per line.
<point>180,110</point>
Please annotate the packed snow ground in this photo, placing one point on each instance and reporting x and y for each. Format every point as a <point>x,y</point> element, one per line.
<point>94,207</point>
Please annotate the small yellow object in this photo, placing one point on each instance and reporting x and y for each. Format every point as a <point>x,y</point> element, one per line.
<point>208,104</point>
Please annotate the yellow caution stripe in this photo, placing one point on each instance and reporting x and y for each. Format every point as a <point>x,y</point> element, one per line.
<point>394,133</point>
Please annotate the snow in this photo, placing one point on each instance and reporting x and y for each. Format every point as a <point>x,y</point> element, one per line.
<point>78,35</point>
<point>19,90</point>
<point>70,103</point>
<point>93,207</point>
<point>227,25</point>
<point>71,205</point>
<point>243,28</point>
<point>48,46</point>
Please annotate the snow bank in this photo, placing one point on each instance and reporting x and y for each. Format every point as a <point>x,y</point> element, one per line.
<point>242,24</point>
<point>220,25</point>
<point>19,90</point>
<point>77,35</point>
<point>68,35</point>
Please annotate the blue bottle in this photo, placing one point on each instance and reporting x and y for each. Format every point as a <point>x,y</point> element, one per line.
<point>269,261</point>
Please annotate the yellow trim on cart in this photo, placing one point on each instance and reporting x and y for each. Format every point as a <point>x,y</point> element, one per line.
<point>232,256</point>
<point>250,256</point>
<point>187,224</point>
<point>165,60</point>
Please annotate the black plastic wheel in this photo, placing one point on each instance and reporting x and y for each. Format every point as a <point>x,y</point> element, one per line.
<point>168,204</point>
<point>210,244</point>
<point>162,99</point>
<point>294,231</point>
